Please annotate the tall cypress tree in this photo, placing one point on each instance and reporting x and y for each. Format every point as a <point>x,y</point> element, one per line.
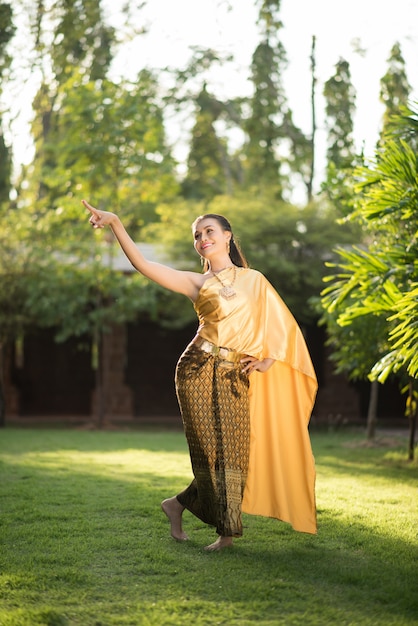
<point>340,108</point>
<point>211,169</point>
<point>268,103</point>
<point>394,86</point>
<point>275,145</point>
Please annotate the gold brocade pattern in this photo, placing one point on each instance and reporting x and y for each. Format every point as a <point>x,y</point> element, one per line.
<point>213,398</point>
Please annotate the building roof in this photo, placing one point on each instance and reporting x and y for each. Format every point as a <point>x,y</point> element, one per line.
<point>119,262</point>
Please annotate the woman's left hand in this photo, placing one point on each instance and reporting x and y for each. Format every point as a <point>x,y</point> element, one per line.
<point>252,364</point>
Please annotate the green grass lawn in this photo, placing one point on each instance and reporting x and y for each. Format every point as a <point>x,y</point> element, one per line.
<point>84,542</point>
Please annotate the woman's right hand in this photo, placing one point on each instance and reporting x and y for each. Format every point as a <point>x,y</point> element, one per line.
<point>252,364</point>
<point>99,219</point>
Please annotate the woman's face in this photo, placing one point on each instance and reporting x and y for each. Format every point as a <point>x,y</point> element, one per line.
<point>209,238</point>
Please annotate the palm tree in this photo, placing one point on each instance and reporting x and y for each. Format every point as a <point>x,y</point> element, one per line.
<point>380,277</point>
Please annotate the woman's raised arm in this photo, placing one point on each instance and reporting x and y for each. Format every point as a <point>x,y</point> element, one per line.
<point>187,283</point>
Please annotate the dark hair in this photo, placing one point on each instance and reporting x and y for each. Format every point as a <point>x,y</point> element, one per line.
<point>235,253</point>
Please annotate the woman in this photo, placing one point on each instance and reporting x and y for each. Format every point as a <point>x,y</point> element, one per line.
<point>245,385</point>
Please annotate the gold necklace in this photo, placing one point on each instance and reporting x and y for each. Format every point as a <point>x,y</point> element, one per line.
<point>227,291</point>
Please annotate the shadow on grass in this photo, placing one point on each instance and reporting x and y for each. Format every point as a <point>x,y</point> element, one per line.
<point>71,538</point>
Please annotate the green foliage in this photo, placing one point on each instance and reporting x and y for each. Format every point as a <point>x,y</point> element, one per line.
<point>411,404</point>
<point>340,105</point>
<point>80,37</point>
<point>17,262</point>
<point>274,146</point>
<point>340,108</point>
<point>381,278</point>
<point>355,347</point>
<point>7,31</point>
<point>405,127</point>
<point>90,134</point>
<point>97,139</point>
<point>72,288</point>
<point>300,157</point>
<point>106,141</point>
<point>209,166</point>
<point>5,169</point>
<point>394,86</point>
<point>108,137</point>
<point>262,164</point>
<point>82,300</point>
<point>212,167</point>
<point>269,18</point>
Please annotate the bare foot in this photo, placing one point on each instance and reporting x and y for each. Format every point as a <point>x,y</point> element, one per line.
<point>173,509</point>
<point>220,544</point>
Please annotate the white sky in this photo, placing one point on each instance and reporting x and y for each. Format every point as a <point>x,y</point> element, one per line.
<point>175,25</point>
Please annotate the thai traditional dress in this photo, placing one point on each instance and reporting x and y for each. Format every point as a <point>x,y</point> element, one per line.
<point>247,435</point>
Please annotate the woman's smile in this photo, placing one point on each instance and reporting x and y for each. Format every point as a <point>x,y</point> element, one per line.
<point>208,235</point>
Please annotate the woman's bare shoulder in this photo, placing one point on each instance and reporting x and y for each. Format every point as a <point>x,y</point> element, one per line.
<point>197,280</point>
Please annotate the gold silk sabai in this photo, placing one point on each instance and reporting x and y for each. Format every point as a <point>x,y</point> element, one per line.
<point>281,476</point>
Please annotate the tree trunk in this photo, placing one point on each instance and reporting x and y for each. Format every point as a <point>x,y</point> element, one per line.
<point>99,381</point>
<point>372,410</point>
<point>313,87</point>
<point>412,428</point>
<point>412,422</point>
<point>2,398</point>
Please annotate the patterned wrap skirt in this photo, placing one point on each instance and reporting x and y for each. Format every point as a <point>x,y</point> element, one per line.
<point>214,403</point>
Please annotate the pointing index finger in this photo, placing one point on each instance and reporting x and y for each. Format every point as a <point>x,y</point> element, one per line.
<point>89,207</point>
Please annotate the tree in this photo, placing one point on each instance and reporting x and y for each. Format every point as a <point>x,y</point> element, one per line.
<point>209,167</point>
<point>212,168</point>
<point>311,173</point>
<point>355,348</point>
<point>70,34</point>
<point>90,134</point>
<point>7,31</point>
<point>394,86</point>
<point>262,164</point>
<point>275,147</point>
<point>69,287</point>
<point>382,279</point>
<point>340,107</point>
<point>109,139</point>
<point>82,44</point>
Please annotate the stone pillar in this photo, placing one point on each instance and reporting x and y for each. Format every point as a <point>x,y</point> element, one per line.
<point>10,391</point>
<point>117,396</point>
